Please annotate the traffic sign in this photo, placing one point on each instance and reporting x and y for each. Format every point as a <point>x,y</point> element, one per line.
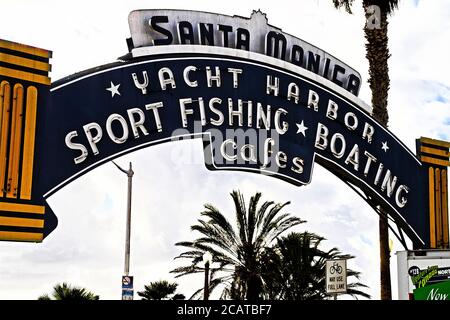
<point>127,288</point>
<point>336,276</point>
<point>127,294</point>
<point>127,282</point>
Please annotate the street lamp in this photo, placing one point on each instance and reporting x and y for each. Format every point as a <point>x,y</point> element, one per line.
<point>129,174</point>
<point>207,259</point>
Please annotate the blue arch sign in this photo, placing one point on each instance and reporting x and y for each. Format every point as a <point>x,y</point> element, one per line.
<point>254,112</point>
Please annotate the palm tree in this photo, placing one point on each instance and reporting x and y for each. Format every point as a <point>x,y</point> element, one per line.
<point>161,290</point>
<point>296,270</point>
<point>66,292</point>
<point>377,52</point>
<point>239,251</point>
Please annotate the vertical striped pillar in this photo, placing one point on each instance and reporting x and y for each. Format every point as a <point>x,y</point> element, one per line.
<point>23,77</point>
<point>435,155</point>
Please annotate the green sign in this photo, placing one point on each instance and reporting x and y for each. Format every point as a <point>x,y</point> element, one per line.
<point>438,291</point>
<point>421,277</point>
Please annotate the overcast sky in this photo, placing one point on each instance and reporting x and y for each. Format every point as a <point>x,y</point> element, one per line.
<point>171,184</point>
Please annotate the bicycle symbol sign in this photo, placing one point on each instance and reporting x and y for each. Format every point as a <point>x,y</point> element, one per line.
<point>335,268</point>
<point>336,276</point>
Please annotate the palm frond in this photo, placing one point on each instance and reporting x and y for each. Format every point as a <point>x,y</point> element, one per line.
<point>241,217</point>
<point>240,251</point>
<point>218,219</point>
<point>346,4</point>
<point>252,215</point>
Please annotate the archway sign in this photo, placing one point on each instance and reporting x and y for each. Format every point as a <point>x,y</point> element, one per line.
<point>262,101</point>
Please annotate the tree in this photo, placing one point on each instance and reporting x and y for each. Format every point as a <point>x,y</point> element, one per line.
<point>239,251</point>
<point>377,52</point>
<point>161,290</point>
<point>296,269</point>
<point>66,292</point>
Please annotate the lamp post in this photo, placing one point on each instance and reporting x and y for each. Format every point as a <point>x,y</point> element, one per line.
<point>207,258</point>
<point>129,174</point>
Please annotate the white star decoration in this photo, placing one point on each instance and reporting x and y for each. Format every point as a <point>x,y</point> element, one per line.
<point>385,146</point>
<point>114,89</point>
<point>302,128</point>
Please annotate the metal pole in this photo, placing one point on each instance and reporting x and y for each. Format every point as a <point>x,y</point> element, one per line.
<point>130,174</point>
<point>206,287</point>
<point>127,240</point>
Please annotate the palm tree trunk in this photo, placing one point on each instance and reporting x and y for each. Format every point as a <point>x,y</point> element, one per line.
<point>377,52</point>
<point>385,272</point>
<point>253,288</point>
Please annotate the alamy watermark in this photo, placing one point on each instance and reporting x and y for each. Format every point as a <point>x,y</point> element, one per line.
<point>373,17</point>
<point>245,147</point>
